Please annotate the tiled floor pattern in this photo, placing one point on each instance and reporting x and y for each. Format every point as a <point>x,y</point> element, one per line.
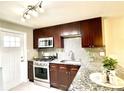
<point>29,86</point>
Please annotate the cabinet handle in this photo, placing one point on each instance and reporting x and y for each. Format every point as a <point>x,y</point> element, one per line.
<point>74,69</point>
<point>62,67</point>
<point>53,66</point>
<point>90,46</point>
<point>69,73</point>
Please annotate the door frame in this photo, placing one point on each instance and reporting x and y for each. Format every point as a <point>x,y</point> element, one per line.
<point>25,42</point>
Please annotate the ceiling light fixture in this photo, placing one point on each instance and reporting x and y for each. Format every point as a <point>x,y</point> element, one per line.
<point>32,10</point>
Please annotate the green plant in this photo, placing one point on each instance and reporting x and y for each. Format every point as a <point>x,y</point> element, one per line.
<point>109,63</point>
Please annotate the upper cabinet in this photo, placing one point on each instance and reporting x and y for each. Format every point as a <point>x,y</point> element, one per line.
<point>90,30</point>
<point>48,32</point>
<point>35,38</point>
<point>70,28</point>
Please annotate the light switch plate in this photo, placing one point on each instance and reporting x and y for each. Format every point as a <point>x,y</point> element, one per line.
<point>102,53</point>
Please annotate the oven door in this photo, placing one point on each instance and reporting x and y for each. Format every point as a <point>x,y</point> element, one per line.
<point>41,73</point>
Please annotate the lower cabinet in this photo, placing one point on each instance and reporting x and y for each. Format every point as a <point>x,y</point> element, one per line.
<point>61,75</point>
<point>30,71</point>
<point>54,75</point>
<point>73,72</point>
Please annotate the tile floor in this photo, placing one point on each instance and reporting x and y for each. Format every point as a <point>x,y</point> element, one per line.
<point>29,86</point>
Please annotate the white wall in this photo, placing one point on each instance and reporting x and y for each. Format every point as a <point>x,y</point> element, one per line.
<point>30,51</point>
<point>1,78</point>
<point>114,38</point>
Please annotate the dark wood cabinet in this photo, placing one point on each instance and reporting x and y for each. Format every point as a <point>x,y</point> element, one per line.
<point>73,71</point>
<point>54,75</point>
<point>70,28</point>
<point>85,32</point>
<point>30,71</point>
<point>61,75</point>
<point>96,28</point>
<point>91,31</point>
<point>35,38</point>
<point>55,32</point>
<point>52,31</point>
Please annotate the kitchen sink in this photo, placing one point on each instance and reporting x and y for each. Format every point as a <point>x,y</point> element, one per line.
<point>66,60</point>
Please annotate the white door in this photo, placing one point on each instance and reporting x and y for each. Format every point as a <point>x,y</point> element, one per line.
<point>12,59</point>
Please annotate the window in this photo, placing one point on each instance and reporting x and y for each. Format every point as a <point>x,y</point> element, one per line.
<point>11,41</point>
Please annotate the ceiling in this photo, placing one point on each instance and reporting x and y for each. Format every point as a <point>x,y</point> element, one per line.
<point>59,12</point>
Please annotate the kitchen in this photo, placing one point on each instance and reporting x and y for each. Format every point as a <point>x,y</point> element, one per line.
<point>68,53</point>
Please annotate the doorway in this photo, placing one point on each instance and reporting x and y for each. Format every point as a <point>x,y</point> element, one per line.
<point>13,58</point>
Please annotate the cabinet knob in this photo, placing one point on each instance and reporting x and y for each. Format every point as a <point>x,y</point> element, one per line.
<point>62,68</point>
<point>66,72</point>
<point>73,69</point>
<point>53,66</point>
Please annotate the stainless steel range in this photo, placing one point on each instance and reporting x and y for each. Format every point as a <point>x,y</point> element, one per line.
<point>41,70</point>
<point>41,73</point>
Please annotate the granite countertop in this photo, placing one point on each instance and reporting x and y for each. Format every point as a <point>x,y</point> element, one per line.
<point>67,62</point>
<point>82,81</point>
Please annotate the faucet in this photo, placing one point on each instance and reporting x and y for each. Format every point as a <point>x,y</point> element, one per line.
<point>71,55</point>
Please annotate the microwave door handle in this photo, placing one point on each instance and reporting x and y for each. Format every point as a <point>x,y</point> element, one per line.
<point>49,43</point>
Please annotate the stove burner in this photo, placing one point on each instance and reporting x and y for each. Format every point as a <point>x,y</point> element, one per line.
<point>50,58</point>
<point>45,59</point>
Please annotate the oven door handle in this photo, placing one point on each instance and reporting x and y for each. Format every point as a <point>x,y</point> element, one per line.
<point>41,66</point>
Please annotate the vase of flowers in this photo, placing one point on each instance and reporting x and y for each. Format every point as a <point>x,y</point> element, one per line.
<point>109,64</point>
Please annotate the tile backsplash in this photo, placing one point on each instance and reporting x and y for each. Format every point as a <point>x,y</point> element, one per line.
<point>87,56</point>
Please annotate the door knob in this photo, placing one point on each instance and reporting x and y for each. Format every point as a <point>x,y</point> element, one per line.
<point>22,59</point>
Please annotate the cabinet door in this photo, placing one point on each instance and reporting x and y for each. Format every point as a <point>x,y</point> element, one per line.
<point>54,75</point>
<point>73,71</point>
<point>70,28</point>
<point>63,77</point>
<point>35,38</point>
<point>30,71</point>
<point>91,33</point>
<point>55,32</point>
<point>96,28</point>
<point>86,34</point>
<point>44,32</point>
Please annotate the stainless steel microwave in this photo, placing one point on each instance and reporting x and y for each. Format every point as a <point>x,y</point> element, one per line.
<point>45,42</point>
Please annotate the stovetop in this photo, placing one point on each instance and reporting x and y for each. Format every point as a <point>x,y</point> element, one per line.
<point>45,59</point>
